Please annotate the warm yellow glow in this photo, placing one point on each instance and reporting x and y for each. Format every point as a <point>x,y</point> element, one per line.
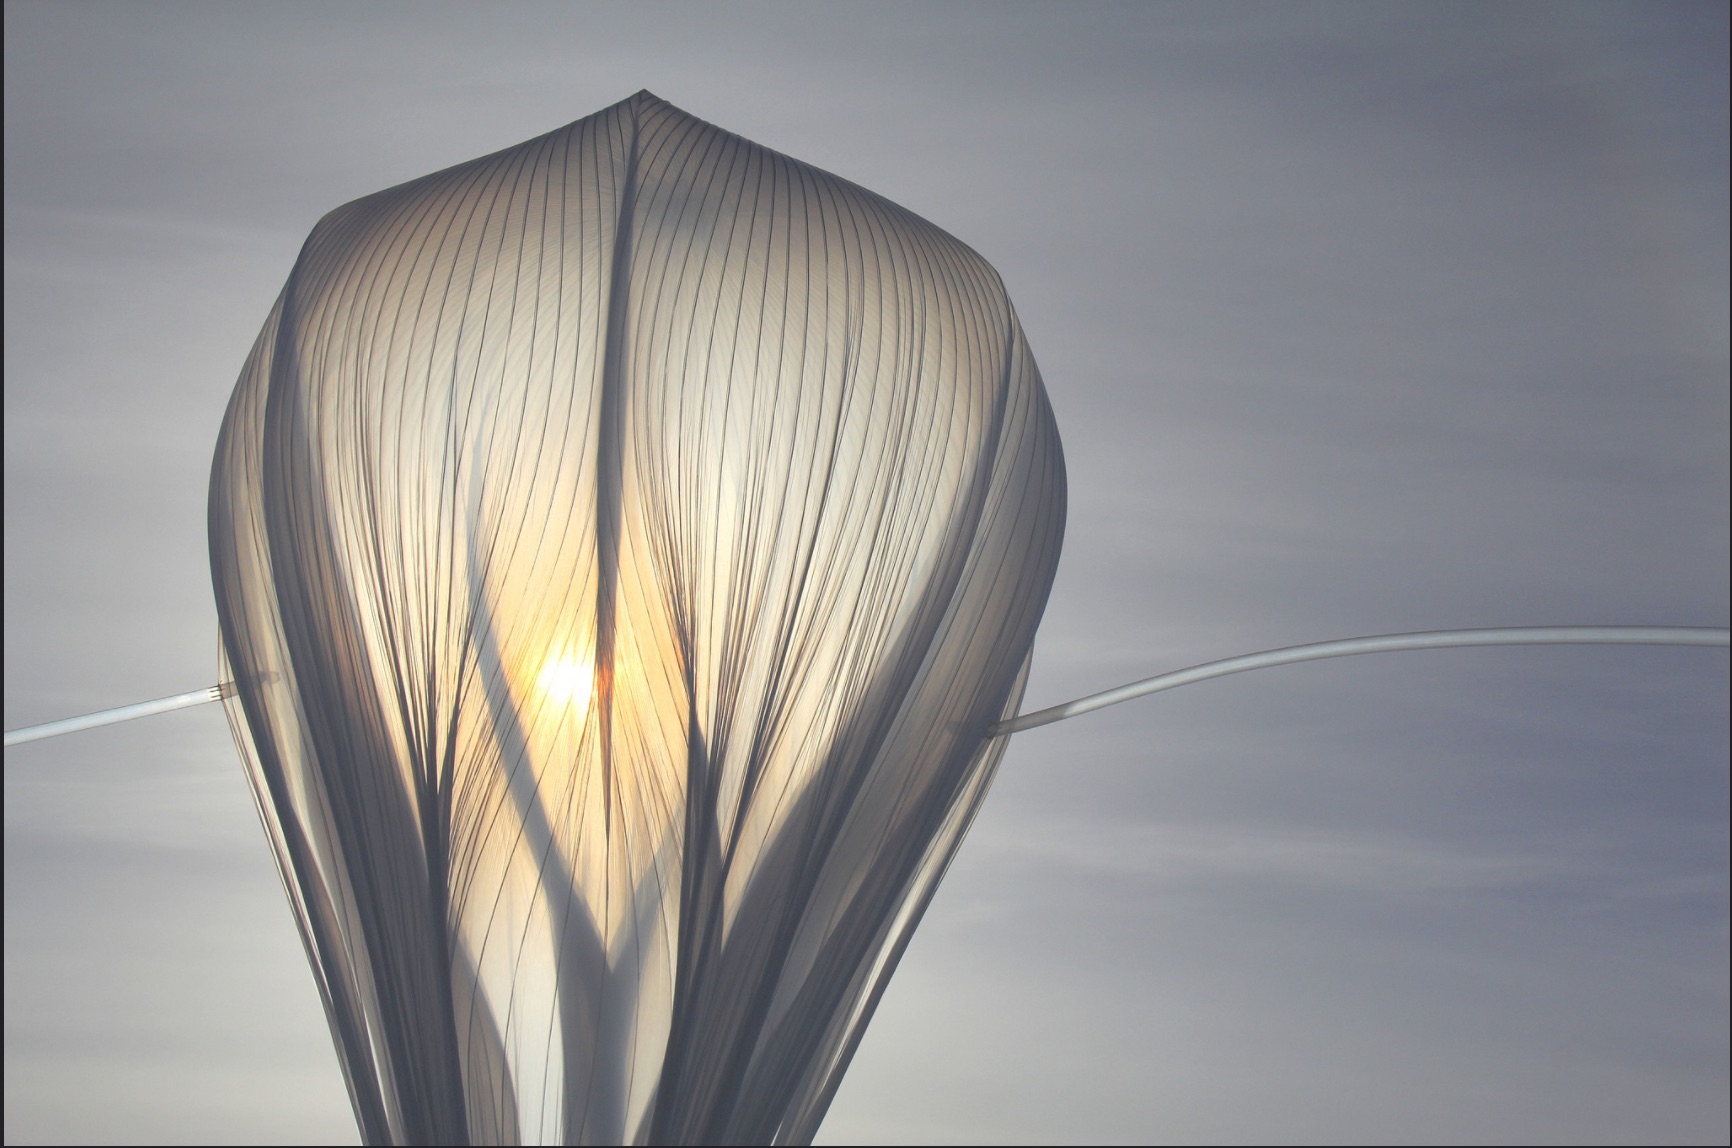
<point>567,680</point>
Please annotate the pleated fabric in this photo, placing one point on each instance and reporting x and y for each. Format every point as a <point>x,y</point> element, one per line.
<point>622,543</point>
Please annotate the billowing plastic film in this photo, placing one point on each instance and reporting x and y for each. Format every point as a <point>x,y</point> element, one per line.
<point>622,545</point>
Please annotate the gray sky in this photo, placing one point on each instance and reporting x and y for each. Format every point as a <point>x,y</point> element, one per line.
<point>1355,318</point>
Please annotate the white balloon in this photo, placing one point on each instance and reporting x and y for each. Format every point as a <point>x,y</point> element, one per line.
<point>622,544</point>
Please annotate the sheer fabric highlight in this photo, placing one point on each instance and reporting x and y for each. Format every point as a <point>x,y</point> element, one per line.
<point>622,544</point>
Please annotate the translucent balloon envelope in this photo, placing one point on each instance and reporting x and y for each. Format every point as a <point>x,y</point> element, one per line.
<point>622,543</point>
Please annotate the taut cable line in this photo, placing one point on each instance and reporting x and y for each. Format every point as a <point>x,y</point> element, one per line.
<point>1286,655</point>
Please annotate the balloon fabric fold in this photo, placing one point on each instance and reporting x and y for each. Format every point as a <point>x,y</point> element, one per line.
<point>622,544</point>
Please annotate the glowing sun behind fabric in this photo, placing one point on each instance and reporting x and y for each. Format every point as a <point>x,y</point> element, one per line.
<point>567,681</point>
